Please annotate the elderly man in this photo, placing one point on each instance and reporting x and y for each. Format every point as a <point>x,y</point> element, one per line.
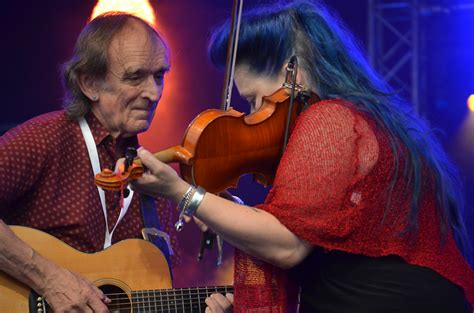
<point>114,82</point>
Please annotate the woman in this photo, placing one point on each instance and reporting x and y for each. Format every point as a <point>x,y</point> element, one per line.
<point>365,211</point>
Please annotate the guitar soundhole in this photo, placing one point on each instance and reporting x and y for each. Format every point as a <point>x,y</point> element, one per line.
<point>120,300</point>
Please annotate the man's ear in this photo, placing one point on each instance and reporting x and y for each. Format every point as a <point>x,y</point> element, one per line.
<point>89,87</point>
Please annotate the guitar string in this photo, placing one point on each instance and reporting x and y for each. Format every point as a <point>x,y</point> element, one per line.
<point>178,299</point>
<point>193,290</point>
<point>157,296</point>
<point>178,303</point>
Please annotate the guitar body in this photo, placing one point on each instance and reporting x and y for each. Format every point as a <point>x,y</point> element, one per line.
<point>132,264</point>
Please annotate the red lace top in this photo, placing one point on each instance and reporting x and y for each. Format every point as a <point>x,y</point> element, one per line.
<point>331,190</point>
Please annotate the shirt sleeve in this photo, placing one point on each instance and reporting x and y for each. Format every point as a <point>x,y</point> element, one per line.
<point>23,152</point>
<point>314,178</point>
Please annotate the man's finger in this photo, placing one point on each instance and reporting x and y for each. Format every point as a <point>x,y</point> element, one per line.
<point>218,303</point>
<point>97,305</point>
<point>230,297</point>
<point>101,295</point>
<point>213,305</point>
<point>221,300</point>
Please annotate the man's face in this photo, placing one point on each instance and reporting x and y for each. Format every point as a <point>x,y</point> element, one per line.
<point>134,83</point>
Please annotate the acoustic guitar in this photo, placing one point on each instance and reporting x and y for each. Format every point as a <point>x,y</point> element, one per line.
<point>133,273</point>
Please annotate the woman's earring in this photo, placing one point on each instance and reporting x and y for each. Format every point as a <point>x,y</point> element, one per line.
<point>94,98</point>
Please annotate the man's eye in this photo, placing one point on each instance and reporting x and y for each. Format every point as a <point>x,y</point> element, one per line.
<point>159,79</point>
<point>134,78</point>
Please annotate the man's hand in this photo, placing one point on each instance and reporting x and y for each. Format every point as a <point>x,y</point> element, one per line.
<point>66,291</point>
<point>217,303</point>
<point>63,290</point>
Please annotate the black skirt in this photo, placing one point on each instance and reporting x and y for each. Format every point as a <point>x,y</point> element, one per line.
<point>338,282</point>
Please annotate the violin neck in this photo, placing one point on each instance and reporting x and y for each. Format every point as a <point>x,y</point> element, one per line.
<point>173,154</point>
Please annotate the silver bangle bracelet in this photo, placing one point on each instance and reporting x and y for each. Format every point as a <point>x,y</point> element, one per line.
<point>196,200</point>
<point>188,205</point>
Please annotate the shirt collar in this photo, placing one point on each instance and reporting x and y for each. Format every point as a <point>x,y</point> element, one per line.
<point>103,137</point>
<point>99,132</point>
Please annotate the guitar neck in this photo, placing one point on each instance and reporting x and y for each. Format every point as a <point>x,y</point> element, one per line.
<point>134,284</point>
<point>166,300</point>
<point>180,300</point>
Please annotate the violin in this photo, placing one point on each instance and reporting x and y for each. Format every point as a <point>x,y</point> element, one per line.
<point>220,146</point>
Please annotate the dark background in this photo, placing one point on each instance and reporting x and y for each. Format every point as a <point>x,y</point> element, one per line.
<point>37,36</point>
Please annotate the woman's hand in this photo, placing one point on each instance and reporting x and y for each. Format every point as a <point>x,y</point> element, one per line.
<point>239,225</point>
<point>159,179</point>
<point>218,303</point>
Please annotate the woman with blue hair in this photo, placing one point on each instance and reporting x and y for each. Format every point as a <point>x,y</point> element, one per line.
<point>365,213</point>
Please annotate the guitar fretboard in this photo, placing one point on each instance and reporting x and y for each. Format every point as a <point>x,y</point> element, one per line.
<point>189,300</point>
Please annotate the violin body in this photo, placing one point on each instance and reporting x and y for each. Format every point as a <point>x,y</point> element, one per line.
<point>220,146</point>
<point>228,144</point>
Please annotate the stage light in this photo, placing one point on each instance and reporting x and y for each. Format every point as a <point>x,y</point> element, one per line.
<point>470,102</point>
<point>140,8</point>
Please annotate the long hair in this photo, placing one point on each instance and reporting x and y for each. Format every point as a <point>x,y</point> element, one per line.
<point>270,35</point>
<point>90,57</point>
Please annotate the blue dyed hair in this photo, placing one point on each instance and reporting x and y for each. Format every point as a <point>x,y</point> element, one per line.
<point>270,35</point>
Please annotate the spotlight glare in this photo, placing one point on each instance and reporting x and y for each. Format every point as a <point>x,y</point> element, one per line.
<point>470,102</point>
<point>140,8</point>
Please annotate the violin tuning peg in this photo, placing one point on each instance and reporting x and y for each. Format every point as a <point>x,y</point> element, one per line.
<point>107,173</point>
<point>131,153</point>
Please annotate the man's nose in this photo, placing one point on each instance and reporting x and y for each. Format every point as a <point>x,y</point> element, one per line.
<point>153,89</point>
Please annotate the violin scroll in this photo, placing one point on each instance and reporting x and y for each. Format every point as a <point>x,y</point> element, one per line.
<point>133,169</point>
<point>109,180</point>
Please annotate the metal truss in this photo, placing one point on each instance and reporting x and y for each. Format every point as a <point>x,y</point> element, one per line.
<point>395,43</point>
<point>393,31</point>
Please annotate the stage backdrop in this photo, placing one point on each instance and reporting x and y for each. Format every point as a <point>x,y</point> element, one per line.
<point>37,36</point>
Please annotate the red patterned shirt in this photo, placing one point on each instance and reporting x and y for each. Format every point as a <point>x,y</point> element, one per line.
<point>47,182</point>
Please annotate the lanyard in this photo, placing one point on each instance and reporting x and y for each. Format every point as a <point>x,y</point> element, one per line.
<point>94,158</point>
